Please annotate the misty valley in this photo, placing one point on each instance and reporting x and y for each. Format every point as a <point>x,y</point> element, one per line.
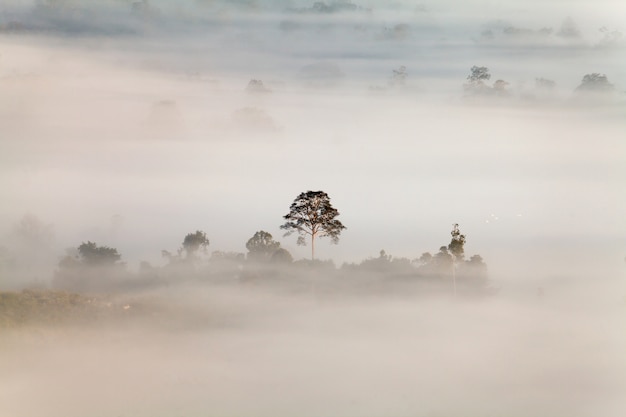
<point>312,208</point>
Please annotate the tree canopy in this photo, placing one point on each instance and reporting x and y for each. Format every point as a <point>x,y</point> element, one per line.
<point>478,75</point>
<point>596,83</point>
<point>89,267</point>
<point>194,241</point>
<point>92,254</point>
<point>456,244</point>
<point>312,214</point>
<point>476,80</point>
<point>261,246</point>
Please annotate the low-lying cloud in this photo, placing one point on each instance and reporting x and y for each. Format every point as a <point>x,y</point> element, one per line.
<point>131,124</point>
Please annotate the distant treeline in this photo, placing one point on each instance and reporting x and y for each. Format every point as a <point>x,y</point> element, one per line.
<point>92,267</point>
<point>95,268</point>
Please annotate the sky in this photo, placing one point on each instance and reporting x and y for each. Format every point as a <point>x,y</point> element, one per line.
<point>133,127</point>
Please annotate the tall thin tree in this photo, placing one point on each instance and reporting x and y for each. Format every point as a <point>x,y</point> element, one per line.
<point>456,249</point>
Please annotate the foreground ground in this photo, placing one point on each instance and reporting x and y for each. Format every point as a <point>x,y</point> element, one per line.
<point>215,351</point>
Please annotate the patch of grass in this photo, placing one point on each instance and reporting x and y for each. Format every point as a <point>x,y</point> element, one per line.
<point>47,307</point>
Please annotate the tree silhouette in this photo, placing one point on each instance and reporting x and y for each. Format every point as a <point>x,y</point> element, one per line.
<point>456,250</point>
<point>281,256</point>
<point>456,244</point>
<point>92,254</point>
<point>596,83</point>
<point>312,214</point>
<point>89,267</point>
<point>195,241</point>
<point>476,80</point>
<point>261,246</point>
<point>478,74</point>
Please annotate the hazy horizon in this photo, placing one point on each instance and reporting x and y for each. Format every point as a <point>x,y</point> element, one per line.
<point>132,124</point>
<point>85,139</point>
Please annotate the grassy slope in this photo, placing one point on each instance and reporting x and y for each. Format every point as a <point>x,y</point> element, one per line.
<point>47,307</point>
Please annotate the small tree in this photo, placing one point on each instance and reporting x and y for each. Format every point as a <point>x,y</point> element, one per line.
<point>456,244</point>
<point>312,214</point>
<point>281,256</point>
<point>456,250</point>
<point>476,80</point>
<point>94,255</point>
<point>478,74</point>
<point>261,246</point>
<point>595,83</point>
<point>194,241</point>
<point>89,267</point>
<point>499,87</point>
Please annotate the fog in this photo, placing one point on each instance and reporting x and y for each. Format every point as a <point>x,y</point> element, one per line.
<point>251,353</point>
<point>131,124</point>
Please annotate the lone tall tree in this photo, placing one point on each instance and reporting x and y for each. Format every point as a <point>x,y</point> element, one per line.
<point>312,214</point>
<point>456,249</point>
